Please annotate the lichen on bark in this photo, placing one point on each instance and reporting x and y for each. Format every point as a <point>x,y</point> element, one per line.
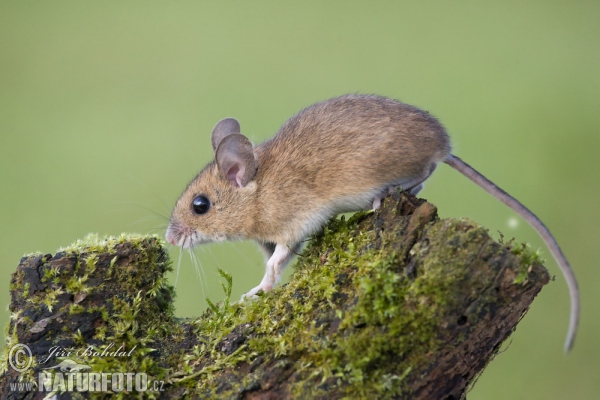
<point>388,304</point>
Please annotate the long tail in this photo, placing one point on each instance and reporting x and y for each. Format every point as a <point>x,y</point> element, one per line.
<point>530,217</point>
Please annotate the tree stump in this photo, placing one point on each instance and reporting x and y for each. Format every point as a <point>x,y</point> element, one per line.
<point>388,304</point>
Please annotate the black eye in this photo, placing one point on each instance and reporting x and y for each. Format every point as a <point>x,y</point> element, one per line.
<point>200,205</point>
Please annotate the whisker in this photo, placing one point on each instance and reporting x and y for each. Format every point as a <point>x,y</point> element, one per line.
<point>209,250</point>
<point>178,266</point>
<point>195,262</point>
<point>145,219</point>
<point>146,208</point>
<point>159,227</point>
<point>205,281</point>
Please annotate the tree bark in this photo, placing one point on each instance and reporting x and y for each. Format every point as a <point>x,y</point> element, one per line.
<point>390,304</point>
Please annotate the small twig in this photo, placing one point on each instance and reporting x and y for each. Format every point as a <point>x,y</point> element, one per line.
<point>292,250</point>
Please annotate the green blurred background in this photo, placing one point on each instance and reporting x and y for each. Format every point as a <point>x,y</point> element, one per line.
<point>106,110</point>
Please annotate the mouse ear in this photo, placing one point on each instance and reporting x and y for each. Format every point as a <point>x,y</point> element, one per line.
<point>235,158</point>
<point>223,128</point>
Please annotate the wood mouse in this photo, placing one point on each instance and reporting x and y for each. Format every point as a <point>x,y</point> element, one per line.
<point>336,156</point>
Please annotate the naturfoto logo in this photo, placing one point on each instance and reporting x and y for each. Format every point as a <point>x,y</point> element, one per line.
<point>69,375</point>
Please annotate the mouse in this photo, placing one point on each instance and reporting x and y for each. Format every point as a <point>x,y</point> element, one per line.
<point>339,155</point>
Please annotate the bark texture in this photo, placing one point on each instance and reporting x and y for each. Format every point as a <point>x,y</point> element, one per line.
<point>391,304</point>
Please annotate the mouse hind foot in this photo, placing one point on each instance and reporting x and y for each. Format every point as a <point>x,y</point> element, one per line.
<point>411,185</point>
<point>413,190</point>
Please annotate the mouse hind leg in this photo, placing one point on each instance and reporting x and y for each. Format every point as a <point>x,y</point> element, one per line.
<point>415,190</point>
<point>416,184</point>
<point>413,185</point>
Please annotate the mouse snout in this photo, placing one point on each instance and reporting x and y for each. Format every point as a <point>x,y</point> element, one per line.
<point>170,240</point>
<point>184,237</point>
<point>170,236</point>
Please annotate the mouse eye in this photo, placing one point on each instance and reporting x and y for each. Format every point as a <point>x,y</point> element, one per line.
<point>200,205</point>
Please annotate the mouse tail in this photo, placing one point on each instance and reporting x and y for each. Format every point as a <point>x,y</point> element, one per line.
<point>534,221</point>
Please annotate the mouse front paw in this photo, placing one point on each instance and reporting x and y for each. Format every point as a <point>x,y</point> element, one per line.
<point>248,296</point>
<point>254,293</point>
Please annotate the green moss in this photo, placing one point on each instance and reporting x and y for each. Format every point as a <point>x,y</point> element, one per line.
<point>93,243</point>
<point>390,328</point>
<point>362,351</point>
<point>130,302</point>
<point>76,309</point>
<point>527,258</point>
<point>355,316</point>
<point>26,287</point>
<point>134,321</point>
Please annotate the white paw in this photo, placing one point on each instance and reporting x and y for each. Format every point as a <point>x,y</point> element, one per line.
<point>248,296</point>
<point>376,203</point>
<point>252,294</point>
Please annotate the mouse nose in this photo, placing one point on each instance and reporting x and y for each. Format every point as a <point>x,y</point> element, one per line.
<point>170,237</point>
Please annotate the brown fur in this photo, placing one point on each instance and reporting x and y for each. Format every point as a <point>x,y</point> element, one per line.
<point>328,151</point>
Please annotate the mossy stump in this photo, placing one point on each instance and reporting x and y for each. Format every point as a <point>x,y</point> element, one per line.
<point>391,304</point>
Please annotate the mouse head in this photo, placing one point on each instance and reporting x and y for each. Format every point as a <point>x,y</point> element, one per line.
<point>217,205</point>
